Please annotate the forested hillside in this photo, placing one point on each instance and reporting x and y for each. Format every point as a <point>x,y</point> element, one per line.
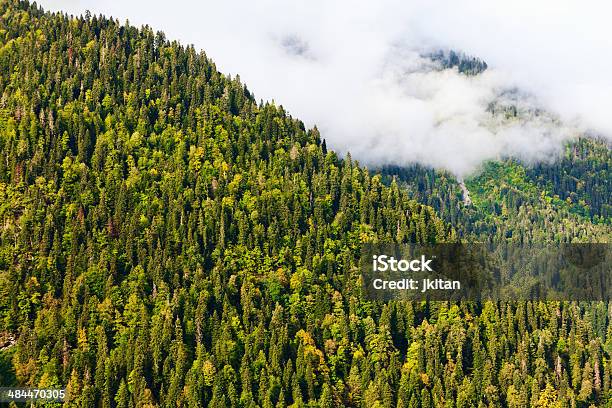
<point>569,200</point>
<point>168,241</point>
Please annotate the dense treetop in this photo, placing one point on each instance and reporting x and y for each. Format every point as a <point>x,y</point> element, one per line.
<point>166,240</point>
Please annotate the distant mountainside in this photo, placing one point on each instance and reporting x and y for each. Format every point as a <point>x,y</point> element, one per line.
<point>569,200</point>
<point>465,64</point>
<point>167,241</point>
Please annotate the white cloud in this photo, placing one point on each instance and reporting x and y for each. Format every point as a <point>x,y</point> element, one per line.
<point>353,69</point>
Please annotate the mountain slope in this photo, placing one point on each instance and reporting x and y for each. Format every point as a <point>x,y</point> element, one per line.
<point>167,241</point>
<point>565,201</point>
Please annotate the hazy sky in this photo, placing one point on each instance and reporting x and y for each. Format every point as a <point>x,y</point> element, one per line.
<point>354,68</point>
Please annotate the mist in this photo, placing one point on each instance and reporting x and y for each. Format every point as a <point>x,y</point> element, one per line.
<point>359,70</point>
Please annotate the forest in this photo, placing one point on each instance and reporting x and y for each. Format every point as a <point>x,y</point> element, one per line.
<point>166,240</point>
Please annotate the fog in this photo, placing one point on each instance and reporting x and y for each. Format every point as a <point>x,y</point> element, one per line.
<point>357,70</point>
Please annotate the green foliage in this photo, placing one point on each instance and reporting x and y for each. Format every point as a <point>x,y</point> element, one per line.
<point>519,203</point>
<point>165,240</point>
